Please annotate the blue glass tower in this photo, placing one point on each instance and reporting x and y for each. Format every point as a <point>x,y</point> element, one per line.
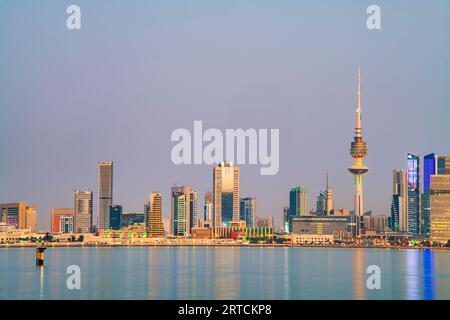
<point>413,177</point>
<point>115,217</point>
<point>429,169</point>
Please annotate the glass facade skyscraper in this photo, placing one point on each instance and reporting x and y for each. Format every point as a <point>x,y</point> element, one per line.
<point>225,194</point>
<point>429,169</point>
<point>105,193</point>
<point>413,178</point>
<point>247,211</point>
<point>115,217</point>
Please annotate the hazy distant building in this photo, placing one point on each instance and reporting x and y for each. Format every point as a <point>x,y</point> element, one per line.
<point>154,222</point>
<point>55,217</point>
<point>440,208</point>
<point>247,211</point>
<point>180,211</point>
<point>208,207</point>
<point>105,193</point>
<point>115,217</point>
<point>413,174</point>
<point>264,222</point>
<point>83,202</point>
<point>399,202</point>
<point>285,219</point>
<point>225,194</point>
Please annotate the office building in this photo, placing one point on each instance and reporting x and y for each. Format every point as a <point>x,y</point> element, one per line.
<point>83,203</point>
<point>225,194</point>
<point>132,218</point>
<point>13,214</point>
<point>105,193</point>
<point>55,217</point>
<point>298,202</point>
<point>193,208</point>
<point>247,211</point>
<point>264,222</point>
<point>66,224</point>
<point>180,211</point>
<point>154,224</point>
<point>30,218</point>
<point>399,202</point>
<point>115,217</point>
<point>413,179</point>
<point>440,208</point>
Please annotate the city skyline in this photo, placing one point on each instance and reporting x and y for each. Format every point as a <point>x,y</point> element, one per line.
<point>302,84</point>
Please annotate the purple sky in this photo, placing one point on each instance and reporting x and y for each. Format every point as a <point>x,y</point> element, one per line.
<point>137,70</point>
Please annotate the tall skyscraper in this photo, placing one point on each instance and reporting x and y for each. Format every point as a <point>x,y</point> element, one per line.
<point>193,208</point>
<point>83,202</point>
<point>154,222</point>
<point>358,152</point>
<point>298,201</point>
<point>247,211</point>
<point>413,173</point>
<point>55,217</point>
<point>225,194</point>
<point>208,208</point>
<point>105,193</point>
<point>115,217</point>
<point>399,207</point>
<point>429,169</point>
<point>440,208</point>
<point>180,213</point>
<point>321,203</point>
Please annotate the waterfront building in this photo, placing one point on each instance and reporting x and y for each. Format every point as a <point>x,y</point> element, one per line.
<point>180,211</point>
<point>264,222</point>
<point>358,151</point>
<point>65,224</point>
<point>377,223</point>
<point>115,217</point>
<point>226,185</point>
<point>208,208</point>
<point>399,203</point>
<point>154,224</point>
<point>413,179</point>
<point>13,214</point>
<point>132,218</point>
<point>83,204</point>
<point>285,219</point>
<point>298,201</point>
<point>322,224</point>
<point>247,211</point>
<point>440,208</point>
<point>201,233</point>
<point>55,217</point>
<point>242,233</point>
<point>312,239</point>
<point>105,193</point>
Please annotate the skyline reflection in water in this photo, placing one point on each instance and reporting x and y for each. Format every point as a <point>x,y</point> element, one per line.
<point>225,273</point>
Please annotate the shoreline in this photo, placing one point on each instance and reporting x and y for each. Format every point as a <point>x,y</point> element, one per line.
<point>218,245</point>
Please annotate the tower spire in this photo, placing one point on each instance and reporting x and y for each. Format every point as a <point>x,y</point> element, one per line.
<point>358,110</point>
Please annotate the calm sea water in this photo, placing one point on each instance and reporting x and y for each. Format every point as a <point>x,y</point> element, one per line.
<point>225,273</point>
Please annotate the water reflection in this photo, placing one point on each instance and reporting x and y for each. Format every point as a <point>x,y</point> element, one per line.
<point>412,274</point>
<point>359,274</point>
<point>428,275</point>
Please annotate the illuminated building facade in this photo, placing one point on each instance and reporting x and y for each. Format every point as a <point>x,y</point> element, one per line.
<point>225,194</point>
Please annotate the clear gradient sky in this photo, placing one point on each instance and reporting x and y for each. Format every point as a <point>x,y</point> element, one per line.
<point>137,70</point>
